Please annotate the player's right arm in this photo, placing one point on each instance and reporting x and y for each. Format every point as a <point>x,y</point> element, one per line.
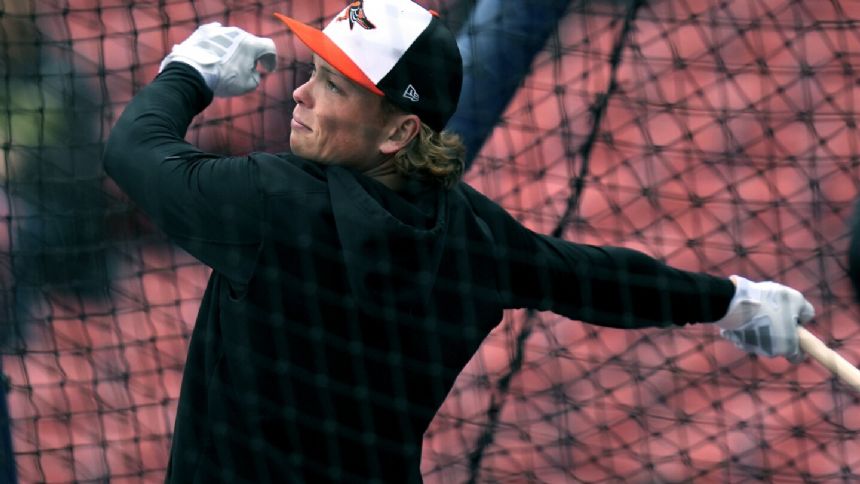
<point>209,204</point>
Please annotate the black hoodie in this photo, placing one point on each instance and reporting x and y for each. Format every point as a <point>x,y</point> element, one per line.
<point>339,312</point>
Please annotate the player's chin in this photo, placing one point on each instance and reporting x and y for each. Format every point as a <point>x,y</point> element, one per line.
<point>297,146</point>
<point>303,147</point>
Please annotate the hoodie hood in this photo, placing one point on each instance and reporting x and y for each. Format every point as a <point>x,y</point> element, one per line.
<point>392,254</point>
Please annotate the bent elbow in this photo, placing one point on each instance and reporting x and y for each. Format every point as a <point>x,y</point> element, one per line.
<point>114,146</point>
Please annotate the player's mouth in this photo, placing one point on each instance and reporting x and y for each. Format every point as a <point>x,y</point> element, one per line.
<point>296,124</point>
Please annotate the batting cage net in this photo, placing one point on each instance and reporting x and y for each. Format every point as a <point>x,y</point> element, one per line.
<point>717,136</point>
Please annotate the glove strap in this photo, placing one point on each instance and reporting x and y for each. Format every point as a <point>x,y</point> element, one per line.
<point>743,305</point>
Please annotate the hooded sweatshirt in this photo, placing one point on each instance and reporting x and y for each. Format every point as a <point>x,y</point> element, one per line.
<point>339,312</point>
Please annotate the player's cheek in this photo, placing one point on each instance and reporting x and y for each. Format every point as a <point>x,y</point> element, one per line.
<point>326,134</point>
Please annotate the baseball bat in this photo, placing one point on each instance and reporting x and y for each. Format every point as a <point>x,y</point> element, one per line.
<point>832,360</point>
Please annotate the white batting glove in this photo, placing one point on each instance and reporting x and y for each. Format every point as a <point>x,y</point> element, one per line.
<point>763,318</point>
<point>226,57</point>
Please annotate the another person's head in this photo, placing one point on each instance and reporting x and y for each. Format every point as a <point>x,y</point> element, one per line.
<point>387,77</point>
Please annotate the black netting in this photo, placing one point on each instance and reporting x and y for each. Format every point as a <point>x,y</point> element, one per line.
<point>715,136</point>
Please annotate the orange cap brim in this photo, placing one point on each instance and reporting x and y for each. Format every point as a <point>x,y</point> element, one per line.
<point>324,47</point>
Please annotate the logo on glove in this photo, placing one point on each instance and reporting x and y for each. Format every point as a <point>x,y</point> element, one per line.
<point>356,15</point>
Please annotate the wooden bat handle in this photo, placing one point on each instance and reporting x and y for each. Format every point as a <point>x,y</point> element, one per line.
<point>834,362</point>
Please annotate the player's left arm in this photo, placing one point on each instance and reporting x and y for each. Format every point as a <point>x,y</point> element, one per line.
<point>624,288</point>
<point>758,317</point>
<point>608,286</point>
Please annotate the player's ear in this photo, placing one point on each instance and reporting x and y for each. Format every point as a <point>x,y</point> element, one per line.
<point>401,130</point>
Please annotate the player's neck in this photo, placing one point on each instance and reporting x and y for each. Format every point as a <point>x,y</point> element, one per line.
<point>387,174</point>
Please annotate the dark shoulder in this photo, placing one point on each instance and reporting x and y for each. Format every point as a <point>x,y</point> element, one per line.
<point>475,200</point>
<point>287,173</point>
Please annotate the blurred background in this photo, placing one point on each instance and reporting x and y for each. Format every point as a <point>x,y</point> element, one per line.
<point>716,136</point>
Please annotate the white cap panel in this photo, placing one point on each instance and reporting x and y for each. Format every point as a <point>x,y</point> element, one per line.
<point>395,26</point>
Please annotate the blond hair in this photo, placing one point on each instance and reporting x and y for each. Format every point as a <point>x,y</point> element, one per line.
<point>435,156</point>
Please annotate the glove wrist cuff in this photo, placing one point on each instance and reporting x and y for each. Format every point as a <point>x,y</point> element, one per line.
<point>209,77</point>
<point>743,304</point>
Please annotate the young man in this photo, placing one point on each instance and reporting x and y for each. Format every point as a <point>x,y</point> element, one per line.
<point>354,277</point>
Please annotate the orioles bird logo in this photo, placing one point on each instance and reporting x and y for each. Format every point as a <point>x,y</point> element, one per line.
<point>356,15</point>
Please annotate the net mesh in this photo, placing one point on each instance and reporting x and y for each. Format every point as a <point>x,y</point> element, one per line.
<point>715,136</point>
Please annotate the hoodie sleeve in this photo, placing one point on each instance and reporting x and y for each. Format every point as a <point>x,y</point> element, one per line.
<point>608,286</point>
<point>210,205</point>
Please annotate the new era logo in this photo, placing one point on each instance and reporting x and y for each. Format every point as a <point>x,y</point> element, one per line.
<point>410,93</point>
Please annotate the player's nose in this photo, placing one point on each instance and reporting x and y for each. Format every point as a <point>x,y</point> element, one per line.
<point>301,94</point>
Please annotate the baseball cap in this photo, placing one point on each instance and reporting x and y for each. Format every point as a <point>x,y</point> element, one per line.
<point>394,48</point>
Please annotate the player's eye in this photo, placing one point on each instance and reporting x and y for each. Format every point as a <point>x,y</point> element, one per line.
<point>333,87</point>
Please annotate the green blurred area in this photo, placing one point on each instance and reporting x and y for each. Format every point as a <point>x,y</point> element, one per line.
<point>51,176</point>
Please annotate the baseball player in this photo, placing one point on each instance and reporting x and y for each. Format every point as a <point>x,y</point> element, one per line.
<point>355,276</point>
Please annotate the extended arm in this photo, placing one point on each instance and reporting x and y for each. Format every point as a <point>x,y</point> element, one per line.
<point>624,288</point>
<point>609,286</point>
